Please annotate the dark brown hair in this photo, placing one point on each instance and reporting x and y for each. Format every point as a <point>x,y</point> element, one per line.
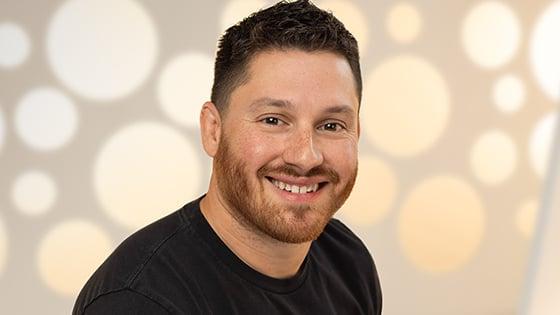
<point>286,25</point>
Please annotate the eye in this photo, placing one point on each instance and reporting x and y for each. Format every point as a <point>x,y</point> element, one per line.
<point>273,121</point>
<point>332,126</point>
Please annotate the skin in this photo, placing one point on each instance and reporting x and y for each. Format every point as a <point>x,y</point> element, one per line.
<point>295,120</point>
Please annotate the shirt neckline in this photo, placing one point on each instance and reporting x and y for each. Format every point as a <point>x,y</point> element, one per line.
<point>192,213</point>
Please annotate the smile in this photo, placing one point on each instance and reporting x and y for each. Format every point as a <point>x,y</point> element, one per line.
<point>296,189</point>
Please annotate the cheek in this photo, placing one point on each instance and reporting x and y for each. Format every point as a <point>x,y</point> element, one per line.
<point>343,158</point>
<point>258,148</point>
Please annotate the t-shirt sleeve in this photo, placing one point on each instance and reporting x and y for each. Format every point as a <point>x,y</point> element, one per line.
<point>124,302</point>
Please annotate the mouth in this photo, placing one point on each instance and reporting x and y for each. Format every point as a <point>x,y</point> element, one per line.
<point>309,189</point>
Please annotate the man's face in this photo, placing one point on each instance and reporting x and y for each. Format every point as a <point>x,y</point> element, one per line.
<point>287,158</point>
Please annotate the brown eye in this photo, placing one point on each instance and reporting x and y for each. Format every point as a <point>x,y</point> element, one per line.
<point>332,126</point>
<point>271,120</point>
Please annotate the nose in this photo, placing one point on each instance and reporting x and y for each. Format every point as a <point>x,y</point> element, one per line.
<point>302,152</point>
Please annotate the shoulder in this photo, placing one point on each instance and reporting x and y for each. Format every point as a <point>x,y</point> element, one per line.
<point>114,280</point>
<point>124,301</point>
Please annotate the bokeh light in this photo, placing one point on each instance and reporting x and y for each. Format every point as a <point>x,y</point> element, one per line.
<point>509,93</point>
<point>34,192</point>
<point>144,171</point>
<point>102,49</point>
<point>491,34</point>
<point>441,224</point>
<point>374,192</point>
<point>45,119</point>
<point>69,253</point>
<point>14,45</point>
<point>408,105</point>
<point>184,85</point>
<point>403,22</point>
<point>493,157</point>
<point>545,49</point>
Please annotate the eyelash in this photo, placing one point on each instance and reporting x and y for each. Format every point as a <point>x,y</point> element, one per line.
<point>278,121</point>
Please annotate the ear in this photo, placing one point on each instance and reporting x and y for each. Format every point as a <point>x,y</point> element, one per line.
<point>210,128</point>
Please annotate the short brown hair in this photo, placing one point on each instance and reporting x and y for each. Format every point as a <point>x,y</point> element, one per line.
<point>286,25</point>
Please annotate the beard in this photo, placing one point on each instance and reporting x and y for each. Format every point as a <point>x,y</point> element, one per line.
<point>286,223</point>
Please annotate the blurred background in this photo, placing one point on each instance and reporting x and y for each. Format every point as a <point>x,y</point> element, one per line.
<point>99,105</point>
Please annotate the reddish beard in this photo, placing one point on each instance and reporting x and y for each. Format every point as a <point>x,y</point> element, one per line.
<point>263,217</point>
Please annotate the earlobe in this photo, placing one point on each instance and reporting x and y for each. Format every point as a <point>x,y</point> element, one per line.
<point>210,128</point>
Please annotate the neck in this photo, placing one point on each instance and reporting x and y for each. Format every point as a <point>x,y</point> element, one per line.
<point>262,253</point>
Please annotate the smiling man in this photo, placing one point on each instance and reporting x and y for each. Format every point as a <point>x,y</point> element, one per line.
<point>283,129</point>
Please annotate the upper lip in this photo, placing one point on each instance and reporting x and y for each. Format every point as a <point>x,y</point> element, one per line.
<point>298,181</point>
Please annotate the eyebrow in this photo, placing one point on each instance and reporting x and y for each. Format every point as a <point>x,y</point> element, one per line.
<point>267,101</point>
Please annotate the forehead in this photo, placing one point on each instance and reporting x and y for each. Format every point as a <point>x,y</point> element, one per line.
<point>297,77</point>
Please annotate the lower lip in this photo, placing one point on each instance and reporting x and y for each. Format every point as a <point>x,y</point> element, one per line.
<point>299,198</point>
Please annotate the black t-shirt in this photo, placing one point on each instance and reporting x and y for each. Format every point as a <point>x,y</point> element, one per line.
<point>178,265</point>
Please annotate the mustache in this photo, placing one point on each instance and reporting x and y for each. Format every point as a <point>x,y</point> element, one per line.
<point>288,170</point>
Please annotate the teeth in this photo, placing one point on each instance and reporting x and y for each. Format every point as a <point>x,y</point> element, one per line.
<point>294,188</point>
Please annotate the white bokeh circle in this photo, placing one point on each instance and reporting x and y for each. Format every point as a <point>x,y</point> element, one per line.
<point>3,246</point>
<point>45,119</point>
<point>441,224</point>
<point>102,49</point>
<point>493,157</point>
<point>408,105</point>
<point>184,85</point>
<point>491,34</point>
<point>371,200</point>
<point>509,93</point>
<point>540,146</point>
<point>144,171</point>
<point>34,192</point>
<point>69,253</point>
<point>236,10</point>
<point>403,22</point>
<point>14,45</point>
<point>545,49</point>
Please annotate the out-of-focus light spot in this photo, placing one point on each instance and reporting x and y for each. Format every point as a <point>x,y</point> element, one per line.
<point>491,34</point>
<point>545,49</point>
<point>403,23</point>
<point>3,246</point>
<point>237,10</point>
<point>441,224</point>
<point>526,218</point>
<point>34,192</point>
<point>353,19</point>
<point>509,93</point>
<point>102,49</point>
<point>69,253</point>
<point>45,119</point>
<point>540,146</point>
<point>185,85</point>
<point>374,193</point>
<point>14,45</point>
<point>144,171</point>
<point>493,157</point>
<point>407,106</point>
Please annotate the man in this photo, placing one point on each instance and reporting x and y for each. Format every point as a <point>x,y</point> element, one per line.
<point>282,128</point>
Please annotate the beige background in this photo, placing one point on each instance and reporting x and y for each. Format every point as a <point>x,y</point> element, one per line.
<point>98,136</point>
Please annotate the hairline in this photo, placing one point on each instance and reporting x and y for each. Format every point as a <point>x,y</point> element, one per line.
<point>244,75</point>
